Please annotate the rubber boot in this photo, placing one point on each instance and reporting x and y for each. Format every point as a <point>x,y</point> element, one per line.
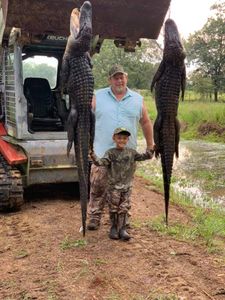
<point>123,234</point>
<point>93,224</point>
<point>113,230</point>
<point>128,226</point>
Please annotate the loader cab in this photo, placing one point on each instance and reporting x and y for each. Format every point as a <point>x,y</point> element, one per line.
<point>33,105</point>
<point>47,108</point>
<point>33,110</point>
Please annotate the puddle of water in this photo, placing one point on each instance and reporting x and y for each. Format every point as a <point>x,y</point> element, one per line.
<point>199,172</point>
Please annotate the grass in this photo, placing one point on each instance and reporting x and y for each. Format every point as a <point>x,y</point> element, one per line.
<point>25,296</point>
<point>205,174</point>
<point>21,254</point>
<point>151,296</point>
<point>206,224</point>
<point>99,261</point>
<point>157,296</point>
<point>113,296</point>
<point>8,283</point>
<point>67,243</point>
<point>156,180</point>
<point>210,224</point>
<point>84,271</point>
<point>207,177</point>
<point>136,223</point>
<point>193,114</point>
<point>178,230</point>
<point>205,227</point>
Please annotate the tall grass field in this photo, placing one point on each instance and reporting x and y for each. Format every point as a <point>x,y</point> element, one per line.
<point>199,119</point>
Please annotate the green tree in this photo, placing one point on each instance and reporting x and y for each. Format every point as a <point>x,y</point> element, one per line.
<point>201,84</point>
<point>206,48</point>
<point>42,70</point>
<point>140,65</point>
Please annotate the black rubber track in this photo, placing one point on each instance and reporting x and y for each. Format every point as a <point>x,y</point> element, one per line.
<point>11,187</point>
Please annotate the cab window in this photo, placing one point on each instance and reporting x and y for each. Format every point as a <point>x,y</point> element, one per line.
<point>41,67</point>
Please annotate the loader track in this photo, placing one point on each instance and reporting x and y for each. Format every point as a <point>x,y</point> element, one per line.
<point>11,187</point>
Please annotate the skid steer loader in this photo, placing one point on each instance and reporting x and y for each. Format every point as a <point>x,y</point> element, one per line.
<point>33,111</point>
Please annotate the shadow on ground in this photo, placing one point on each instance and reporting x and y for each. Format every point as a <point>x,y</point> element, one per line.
<point>64,191</point>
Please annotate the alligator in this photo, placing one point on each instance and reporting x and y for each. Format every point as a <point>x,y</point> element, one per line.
<point>168,81</point>
<point>77,79</point>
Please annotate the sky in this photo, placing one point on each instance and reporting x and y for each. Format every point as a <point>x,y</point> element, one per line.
<point>190,15</point>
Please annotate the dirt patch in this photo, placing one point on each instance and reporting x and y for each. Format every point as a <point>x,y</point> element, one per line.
<point>183,126</point>
<point>43,255</point>
<point>207,128</point>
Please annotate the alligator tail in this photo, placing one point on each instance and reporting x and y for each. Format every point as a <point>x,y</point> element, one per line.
<point>168,147</point>
<point>167,163</point>
<point>166,198</point>
<point>81,152</point>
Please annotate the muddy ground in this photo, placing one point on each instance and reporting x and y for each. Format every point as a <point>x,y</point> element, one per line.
<point>43,255</point>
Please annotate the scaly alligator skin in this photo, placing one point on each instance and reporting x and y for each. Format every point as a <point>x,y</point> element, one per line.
<point>168,81</point>
<point>78,80</point>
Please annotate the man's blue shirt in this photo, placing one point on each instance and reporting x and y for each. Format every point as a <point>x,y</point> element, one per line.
<point>111,113</point>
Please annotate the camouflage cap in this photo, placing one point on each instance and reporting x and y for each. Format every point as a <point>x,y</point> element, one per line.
<point>116,69</point>
<point>121,130</point>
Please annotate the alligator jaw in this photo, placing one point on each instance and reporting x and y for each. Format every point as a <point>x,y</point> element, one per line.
<point>86,15</point>
<point>171,32</point>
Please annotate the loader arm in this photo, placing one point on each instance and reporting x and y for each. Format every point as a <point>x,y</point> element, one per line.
<point>123,21</point>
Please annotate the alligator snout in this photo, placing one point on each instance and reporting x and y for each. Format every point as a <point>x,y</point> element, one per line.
<point>171,31</point>
<point>86,15</point>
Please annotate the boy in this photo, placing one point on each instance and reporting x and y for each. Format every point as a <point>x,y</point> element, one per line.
<point>120,163</point>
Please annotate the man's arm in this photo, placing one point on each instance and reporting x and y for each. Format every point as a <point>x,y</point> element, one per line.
<point>93,104</point>
<point>147,128</point>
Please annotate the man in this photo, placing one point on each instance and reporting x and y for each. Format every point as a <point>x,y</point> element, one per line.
<point>115,106</point>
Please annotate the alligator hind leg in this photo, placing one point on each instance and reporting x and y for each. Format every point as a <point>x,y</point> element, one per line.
<point>156,130</point>
<point>71,124</point>
<point>177,137</point>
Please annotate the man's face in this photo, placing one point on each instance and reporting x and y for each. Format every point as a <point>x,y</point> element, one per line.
<point>120,140</point>
<point>118,83</point>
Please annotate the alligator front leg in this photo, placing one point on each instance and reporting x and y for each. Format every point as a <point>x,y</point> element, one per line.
<point>158,75</point>
<point>183,83</point>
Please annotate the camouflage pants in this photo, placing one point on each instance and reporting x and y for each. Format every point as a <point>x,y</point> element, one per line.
<point>119,201</point>
<point>97,201</point>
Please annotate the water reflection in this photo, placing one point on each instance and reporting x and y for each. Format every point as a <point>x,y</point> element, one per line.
<point>199,172</point>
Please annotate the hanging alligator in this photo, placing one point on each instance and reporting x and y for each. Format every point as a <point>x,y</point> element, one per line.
<point>168,81</point>
<point>77,79</point>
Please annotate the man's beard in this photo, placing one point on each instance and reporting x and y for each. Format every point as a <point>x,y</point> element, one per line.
<point>120,89</point>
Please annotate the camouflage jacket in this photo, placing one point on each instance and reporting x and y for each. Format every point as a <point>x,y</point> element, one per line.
<point>120,165</point>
